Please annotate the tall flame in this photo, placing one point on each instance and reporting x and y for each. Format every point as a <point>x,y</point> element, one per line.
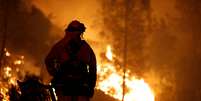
<point>109,53</point>
<point>110,82</point>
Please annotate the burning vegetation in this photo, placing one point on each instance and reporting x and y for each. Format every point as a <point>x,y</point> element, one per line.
<point>110,80</point>
<point>10,73</point>
<point>18,85</point>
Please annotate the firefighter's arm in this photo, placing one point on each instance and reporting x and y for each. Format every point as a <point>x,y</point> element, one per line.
<point>92,72</point>
<point>50,62</point>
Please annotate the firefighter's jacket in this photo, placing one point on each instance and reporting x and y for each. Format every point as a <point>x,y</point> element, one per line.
<point>63,51</point>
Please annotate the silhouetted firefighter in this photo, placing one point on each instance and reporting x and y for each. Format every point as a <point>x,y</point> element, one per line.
<point>72,63</point>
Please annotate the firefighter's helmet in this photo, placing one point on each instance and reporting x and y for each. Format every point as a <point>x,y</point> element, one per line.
<point>75,26</point>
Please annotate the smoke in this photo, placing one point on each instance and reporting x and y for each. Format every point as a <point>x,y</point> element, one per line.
<point>190,62</point>
<point>160,58</point>
<point>174,51</point>
<point>28,31</point>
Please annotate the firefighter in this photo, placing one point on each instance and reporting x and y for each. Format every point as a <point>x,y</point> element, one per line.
<point>72,63</point>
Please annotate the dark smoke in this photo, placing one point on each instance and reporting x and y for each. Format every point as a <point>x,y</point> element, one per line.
<point>28,30</point>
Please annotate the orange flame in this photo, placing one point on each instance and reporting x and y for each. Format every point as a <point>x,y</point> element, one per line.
<point>9,74</point>
<point>7,71</point>
<point>109,53</point>
<point>110,82</point>
<point>3,92</point>
<point>17,62</point>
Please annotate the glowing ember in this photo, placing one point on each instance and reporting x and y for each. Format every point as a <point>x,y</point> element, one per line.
<point>110,82</point>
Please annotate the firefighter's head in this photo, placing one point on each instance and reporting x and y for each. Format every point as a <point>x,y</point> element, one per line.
<point>75,28</point>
